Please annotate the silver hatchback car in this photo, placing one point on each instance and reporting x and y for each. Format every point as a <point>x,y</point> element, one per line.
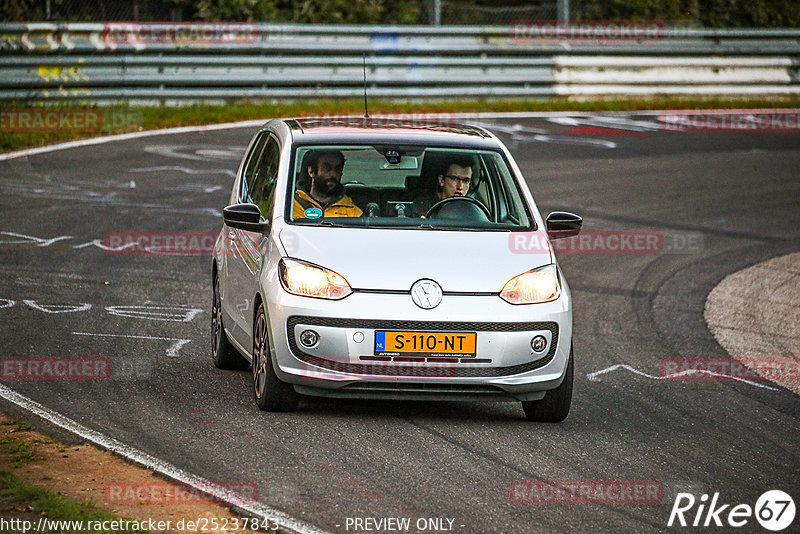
<point>378,259</point>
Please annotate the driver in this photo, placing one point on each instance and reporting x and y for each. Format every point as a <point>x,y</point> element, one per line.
<point>453,181</point>
<point>324,195</point>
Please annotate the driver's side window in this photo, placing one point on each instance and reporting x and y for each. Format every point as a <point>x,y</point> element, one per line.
<point>251,168</point>
<point>263,189</point>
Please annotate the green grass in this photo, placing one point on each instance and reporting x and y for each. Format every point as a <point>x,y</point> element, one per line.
<point>20,426</point>
<point>16,494</point>
<point>163,117</point>
<point>20,452</point>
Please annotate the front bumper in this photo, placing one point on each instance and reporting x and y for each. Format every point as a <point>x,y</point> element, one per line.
<point>343,363</point>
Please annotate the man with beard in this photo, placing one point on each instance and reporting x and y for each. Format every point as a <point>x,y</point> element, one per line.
<point>321,193</point>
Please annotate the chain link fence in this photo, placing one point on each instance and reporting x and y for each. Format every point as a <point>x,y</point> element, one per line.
<point>686,13</point>
<point>455,13</point>
<point>88,10</point>
<point>423,12</point>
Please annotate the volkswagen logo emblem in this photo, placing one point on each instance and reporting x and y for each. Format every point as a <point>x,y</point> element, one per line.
<point>426,294</point>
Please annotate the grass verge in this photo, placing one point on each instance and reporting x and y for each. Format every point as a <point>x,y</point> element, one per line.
<point>27,503</point>
<point>42,478</point>
<point>23,504</point>
<point>139,118</point>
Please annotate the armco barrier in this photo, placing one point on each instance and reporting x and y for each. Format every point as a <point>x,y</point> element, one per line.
<point>165,63</point>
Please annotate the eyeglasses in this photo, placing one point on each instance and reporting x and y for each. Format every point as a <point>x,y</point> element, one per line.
<point>457,179</point>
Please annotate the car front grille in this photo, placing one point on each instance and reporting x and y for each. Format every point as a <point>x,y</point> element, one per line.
<point>437,371</point>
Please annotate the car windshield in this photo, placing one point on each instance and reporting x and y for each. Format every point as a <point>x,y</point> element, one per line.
<point>404,187</point>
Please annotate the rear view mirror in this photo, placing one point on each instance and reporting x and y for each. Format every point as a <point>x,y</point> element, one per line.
<point>244,217</point>
<point>562,224</point>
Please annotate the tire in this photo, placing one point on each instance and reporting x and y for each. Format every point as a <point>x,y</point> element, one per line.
<point>555,405</point>
<point>224,355</point>
<point>270,393</point>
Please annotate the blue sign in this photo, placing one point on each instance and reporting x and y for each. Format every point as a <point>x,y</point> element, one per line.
<point>313,213</point>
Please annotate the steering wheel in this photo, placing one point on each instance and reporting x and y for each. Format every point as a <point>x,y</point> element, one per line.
<point>436,208</point>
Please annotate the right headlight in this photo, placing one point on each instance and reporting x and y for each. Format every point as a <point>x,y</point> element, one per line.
<point>532,287</point>
<point>309,280</point>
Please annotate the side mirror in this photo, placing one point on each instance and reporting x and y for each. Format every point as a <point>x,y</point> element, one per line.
<point>244,217</point>
<point>563,224</point>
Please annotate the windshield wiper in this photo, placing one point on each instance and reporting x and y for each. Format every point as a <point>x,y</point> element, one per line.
<point>461,228</point>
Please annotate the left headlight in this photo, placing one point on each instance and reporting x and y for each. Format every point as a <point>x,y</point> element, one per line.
<point>309,280</point>
<point>534,286</point>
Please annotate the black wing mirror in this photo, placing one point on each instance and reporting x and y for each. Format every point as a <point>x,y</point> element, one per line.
<point>563,224</point>
<point>244,217</point>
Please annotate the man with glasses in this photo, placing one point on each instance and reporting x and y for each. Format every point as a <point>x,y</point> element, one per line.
<point>320,192</point>
<point>454,180</point>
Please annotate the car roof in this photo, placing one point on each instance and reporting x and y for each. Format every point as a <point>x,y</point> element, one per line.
<point>388,130</point>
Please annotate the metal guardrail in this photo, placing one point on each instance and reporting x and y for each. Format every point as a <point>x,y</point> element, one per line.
<point>164,62</point>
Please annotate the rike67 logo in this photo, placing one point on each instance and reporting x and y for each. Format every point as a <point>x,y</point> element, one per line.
<point>774,510</point>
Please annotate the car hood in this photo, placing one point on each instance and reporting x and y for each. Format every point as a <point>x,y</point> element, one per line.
<point>393,259</point>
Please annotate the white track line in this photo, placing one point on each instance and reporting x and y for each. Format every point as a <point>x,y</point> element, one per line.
<point>239,502</point>
<point>126,136</point>
<point>594,377</point>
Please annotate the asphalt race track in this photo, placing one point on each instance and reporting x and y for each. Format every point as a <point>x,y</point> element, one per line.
<point>722,201</point>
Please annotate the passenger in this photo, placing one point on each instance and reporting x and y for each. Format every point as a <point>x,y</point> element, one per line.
<point>322,188</point>
<point>453,181</point>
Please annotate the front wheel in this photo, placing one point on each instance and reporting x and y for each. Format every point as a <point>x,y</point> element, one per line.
<point>555,405</point>
<point>270,393</point>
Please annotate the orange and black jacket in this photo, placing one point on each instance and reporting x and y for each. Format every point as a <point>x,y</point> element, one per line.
<point>340,206</point>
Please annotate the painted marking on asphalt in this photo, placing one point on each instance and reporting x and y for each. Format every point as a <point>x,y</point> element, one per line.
<point>156,313</point>
<point>31,239</point>
<point>595,376</point>
<point>194,188</point>
<point>93,243</point>
<point>170,471</point>
<point>616,122</point>
<point>197,152</point>
<point>173,351</point>
<point>184,170</point>
<point>58,308</point>
<point>99,244</point>
<point>519,132</point>
<point>183,314</point>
